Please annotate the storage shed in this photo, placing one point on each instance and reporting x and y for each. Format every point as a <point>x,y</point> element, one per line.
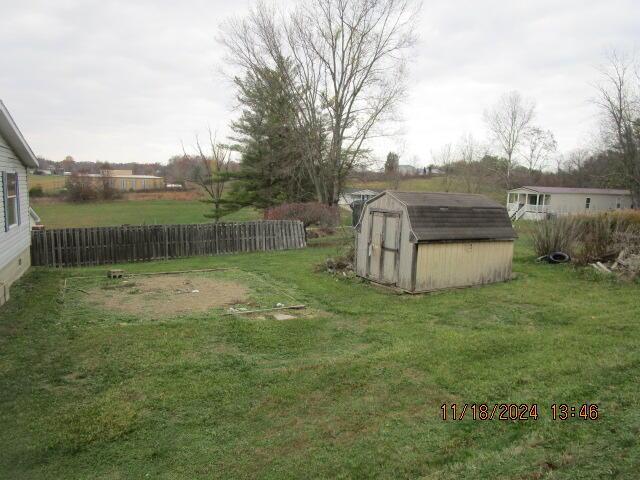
<point>420,242</point>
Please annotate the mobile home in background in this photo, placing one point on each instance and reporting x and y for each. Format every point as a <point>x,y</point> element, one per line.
<point>538,203</point>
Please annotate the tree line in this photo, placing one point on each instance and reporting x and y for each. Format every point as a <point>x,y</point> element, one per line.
<point>518,151</point>
<point>316,82</point>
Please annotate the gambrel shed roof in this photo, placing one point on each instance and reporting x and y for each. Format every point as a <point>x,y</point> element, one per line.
<point>441,217</point>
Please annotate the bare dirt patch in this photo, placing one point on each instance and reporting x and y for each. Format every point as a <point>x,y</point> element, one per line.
<point>167,295</point>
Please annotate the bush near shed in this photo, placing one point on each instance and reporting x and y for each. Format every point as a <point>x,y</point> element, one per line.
<point>590,238</point>
<point>310,213</point>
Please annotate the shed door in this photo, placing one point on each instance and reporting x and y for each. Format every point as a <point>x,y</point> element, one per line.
<point>384,247</point>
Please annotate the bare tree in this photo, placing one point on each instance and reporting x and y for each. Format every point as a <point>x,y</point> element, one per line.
<point>444,159</point>
<point>108,187</point>
<point>619,102</point>
<point>469,152</point>
<point>575,163</point>
<point>211,173</point>
<point>508,121</point>
<point>539,146</point>
<point>348,63</point>
<point>559,161</point>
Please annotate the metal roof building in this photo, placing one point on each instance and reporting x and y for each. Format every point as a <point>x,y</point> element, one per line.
<point>420,242</point>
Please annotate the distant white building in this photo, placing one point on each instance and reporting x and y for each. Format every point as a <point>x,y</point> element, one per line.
<point>125,180</point>
<point>536,203</point>
<point>407,170</point>
<point>350,195</point>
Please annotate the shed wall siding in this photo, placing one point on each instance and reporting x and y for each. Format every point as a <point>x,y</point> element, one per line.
<point>18,238</point>
<point>407,254</point>
<point>446,265</point>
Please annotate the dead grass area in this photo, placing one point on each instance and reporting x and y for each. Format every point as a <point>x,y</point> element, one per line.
<point>167,295</point>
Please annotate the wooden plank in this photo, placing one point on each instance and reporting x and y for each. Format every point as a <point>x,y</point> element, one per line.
<point>76,237</point>
<point>45,237</point>
<point>59,245</point>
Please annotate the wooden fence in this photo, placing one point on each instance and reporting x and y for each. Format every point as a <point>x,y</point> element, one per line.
<point>72,247</point>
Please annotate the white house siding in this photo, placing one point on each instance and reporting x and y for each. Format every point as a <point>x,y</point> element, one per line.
<point>17,240</point>
<point>574,203</point>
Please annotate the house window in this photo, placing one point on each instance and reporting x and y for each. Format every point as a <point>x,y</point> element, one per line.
<point>533,200</point>
<point>11,196</point>
<point>547,199</point>
<point>513,198</point>
<point>587,204</point>
<point>618,204</point>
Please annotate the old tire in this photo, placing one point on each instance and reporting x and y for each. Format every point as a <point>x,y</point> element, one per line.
<point>559,257</point>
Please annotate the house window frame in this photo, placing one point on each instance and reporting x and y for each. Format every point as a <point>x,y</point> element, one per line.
<point>587,203</point>
<point>8,197</point>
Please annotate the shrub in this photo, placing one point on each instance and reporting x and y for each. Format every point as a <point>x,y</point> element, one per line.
<point>625,218</point>
<point>81,189</point>
<point>36,191</point>
<point>86,189</point>
<point>599,237</point>
<point>587,238</point>
<point>312,213</point>
<point>107,192</point>
<point>558,234</point>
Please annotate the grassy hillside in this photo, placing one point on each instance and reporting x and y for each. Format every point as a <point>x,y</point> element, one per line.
<point>352,390</point>
<point>136,212</point>
<point>433,184</point>
<point>49,183</point>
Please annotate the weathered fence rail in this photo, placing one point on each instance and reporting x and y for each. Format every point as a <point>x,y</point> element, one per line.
<point>72,247</point>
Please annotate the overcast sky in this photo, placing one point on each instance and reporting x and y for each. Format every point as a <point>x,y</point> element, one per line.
<point>130,80</point>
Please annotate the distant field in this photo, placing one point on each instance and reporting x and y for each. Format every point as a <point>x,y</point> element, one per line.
<point>434,184</point>
<point>182,207</point>
<point>63,214</point>
<point>49,183</point>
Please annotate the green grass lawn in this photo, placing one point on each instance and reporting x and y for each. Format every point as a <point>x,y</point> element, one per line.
<point>354,392</point>
<point>135,212</point>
